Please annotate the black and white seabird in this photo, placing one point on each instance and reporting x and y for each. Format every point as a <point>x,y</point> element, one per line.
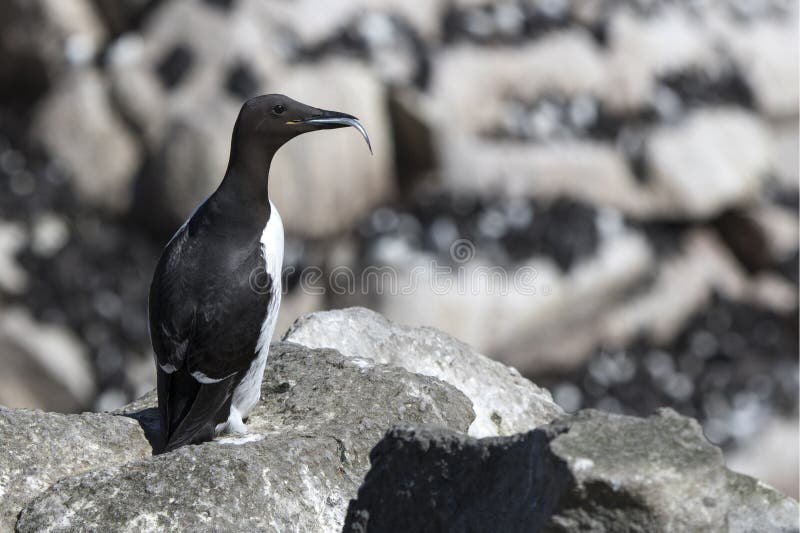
<point>216,290</point>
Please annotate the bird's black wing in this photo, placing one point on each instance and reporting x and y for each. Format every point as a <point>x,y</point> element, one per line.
<point>204,326</point>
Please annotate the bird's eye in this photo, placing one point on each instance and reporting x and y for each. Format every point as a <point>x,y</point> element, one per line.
<point>278,109</point>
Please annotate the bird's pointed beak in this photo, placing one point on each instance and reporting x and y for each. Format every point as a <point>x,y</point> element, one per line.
<point>333,119</point>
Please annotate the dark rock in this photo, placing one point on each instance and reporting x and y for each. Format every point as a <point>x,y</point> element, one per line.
<point>507,229</point>
<point>37,45</point>
<point>731,365</point>
<point>175,65</point>
<point>589,472</point>
<point>224,5</point>
<point>121,16</point>
<point>241,82</point>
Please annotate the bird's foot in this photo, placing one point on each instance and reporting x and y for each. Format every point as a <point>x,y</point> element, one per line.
<point>235,422</point>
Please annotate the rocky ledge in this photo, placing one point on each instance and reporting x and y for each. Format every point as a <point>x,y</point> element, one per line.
<point>365,400</point>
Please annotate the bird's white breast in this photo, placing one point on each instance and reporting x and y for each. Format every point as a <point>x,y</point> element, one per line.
<point>247,392</point>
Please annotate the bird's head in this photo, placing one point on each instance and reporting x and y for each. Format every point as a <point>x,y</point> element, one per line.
<point>275,119</point>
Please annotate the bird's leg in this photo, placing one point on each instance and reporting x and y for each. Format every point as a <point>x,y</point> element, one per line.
<point>235,423</point>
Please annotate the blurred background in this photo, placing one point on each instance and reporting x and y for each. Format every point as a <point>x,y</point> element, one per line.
<point>640,156</point>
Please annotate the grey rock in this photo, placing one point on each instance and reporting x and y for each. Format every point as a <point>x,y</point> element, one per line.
<point>302,460</point>
<point>592,471</point>
<point>40,448</point>
<point>504,401</point>
<point>78,125</point>
<point>54,348</point>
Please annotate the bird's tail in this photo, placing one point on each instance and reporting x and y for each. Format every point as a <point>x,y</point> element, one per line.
<point>189,410</point>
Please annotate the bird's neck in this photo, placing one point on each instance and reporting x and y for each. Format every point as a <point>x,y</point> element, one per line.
<point>246,181</point>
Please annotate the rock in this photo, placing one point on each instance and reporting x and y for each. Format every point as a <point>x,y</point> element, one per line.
<point>504,402</point>
<point>762,236</point>
<point>469,83</point>
<point>681,286</point>
<point>591,471</point>
<point>643,48</point>
<point>302,460</point>
<point>58,361</point>
<point>767,54</point>
<point>702,172</point>
<point>123,15</point>
<point>548,170</point>
<point>536,312</point>
<point>24,383</point>
<point>13,277</point>
<point>312,23</point>
<point>413,139</point>
<point>77,124</point>
<point>41,448</point>
<point>40,39</point>
<point>771,456</point>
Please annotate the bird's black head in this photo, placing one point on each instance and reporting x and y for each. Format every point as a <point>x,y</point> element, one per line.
<point>273,119</point>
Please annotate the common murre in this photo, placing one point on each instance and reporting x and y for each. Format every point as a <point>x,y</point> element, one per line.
<point>216,290</point>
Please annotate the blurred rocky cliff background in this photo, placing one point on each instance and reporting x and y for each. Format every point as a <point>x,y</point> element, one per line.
<point>637,159</point>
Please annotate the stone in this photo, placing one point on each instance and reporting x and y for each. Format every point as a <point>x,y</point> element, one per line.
<point>77,123</point>
<point>681,286</point>
<point>302,460</point>
<point>513,313</point>
<point>761,236</point>
<point>503,400</point>
<point>768,56</point>
<point>13,277</point>
<point>57,362</point>
<point>312,23</point>
<point>548,170</point>
<point>123,15</point>
<point>469,82</point>
<point>40,40</point>
<point>702,172</point>
<point>591,471</point>
<point>771,456</point>
<point>41,448</point>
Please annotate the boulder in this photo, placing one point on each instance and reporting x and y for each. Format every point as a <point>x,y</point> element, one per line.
<point>77,123</point>
<point>591,471</point>
<point>303,459</point>
<point>503,400</point>
<point>701,172</point>
<point>44,365</point>
<point>41,448</point>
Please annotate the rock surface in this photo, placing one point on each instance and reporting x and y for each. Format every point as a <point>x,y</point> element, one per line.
<point>78,124</point>
<point>504,402</point>
<point>303,459</point>
<point>592,471</point>
<point>41,448</point>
